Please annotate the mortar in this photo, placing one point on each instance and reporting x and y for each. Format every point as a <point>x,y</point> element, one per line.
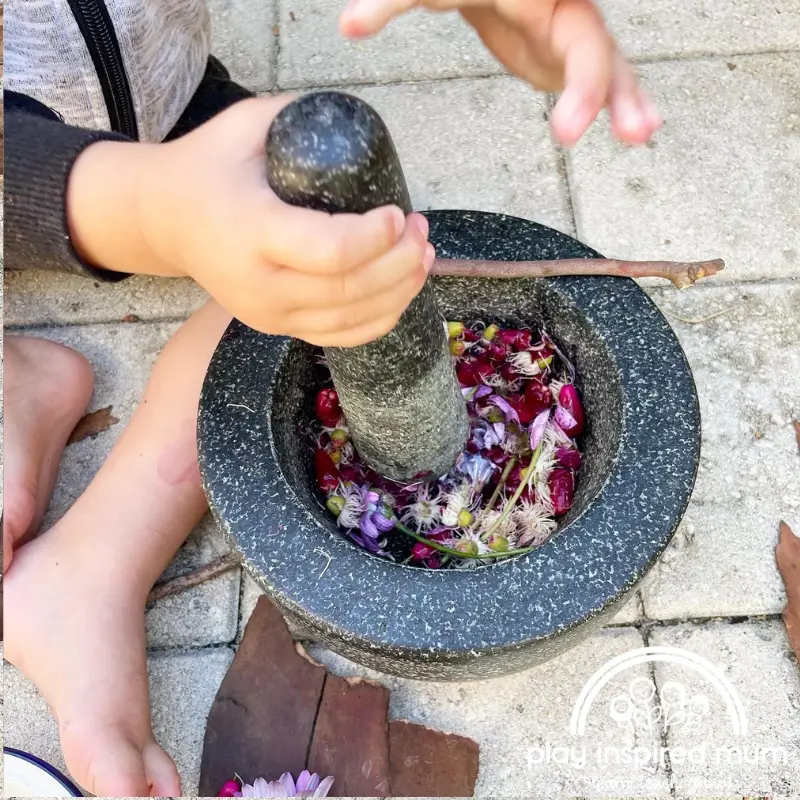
<point>641,450</point>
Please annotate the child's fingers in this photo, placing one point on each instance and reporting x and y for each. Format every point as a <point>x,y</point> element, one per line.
<point>404,260</point>
<point>634,118</point>
<point>325,244</point>
<point>344,318</point>
<point>367,17</point>
<point>580,36</point>
<point>355,336</point>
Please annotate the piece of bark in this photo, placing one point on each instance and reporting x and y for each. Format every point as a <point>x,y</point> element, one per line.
<point>91,424</point>
<point>351,738</point>
<point>194,577</point>
<point>797,432</point>
<point>262,719</point>
<point>429,763</point>
<point>680,273</point>
<point>787,554</point>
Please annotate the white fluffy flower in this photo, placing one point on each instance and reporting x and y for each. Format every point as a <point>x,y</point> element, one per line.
<point>534,522</point>
<point>425,512</point>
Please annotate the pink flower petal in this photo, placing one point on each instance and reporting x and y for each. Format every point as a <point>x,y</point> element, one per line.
<point>565,420</point>
<point>287,782</point>
<point>538,427</point>
<point>324,787</point>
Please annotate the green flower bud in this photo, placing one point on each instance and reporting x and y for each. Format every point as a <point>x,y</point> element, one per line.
<point>498,543</point>
<point>464,518</point>
<point>340,437</point>
<point>455,329</point>
<point>457,347</point>
<point>466,546</point>
<point>335,504</point>
<point>490,332</point>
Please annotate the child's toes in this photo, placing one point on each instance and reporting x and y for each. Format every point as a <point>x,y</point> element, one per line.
<point>162,775</point>
<point>109,764</point>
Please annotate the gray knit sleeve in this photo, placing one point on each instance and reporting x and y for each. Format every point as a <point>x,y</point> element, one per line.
<point>39,154</point>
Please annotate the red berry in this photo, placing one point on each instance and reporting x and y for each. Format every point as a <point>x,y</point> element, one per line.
<point>497,351</point>
<point>483,369</point>
<point>523,341</point>
<point>538,397</point>
<point>469,336</point>
<point>465,372</point>
<point>498,456</point>
<point>562,490</point>
<point>229,789</point>
<point>507,336</point>
<point>350,474</point>
<point>472,447</point>
<point>508,373</point>
<point>523,408</point>
<point>528,494</point>
<point>421,552</point>
<point>327,407</point>
<point>569,457</point>
<point>326,471</point>
<point>515,477</point>
<point>569,399</point>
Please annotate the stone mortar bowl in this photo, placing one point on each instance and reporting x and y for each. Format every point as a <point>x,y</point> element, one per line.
<point>641,453</point>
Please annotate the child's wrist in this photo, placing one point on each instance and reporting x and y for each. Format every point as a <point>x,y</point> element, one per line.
<point>105,198</point>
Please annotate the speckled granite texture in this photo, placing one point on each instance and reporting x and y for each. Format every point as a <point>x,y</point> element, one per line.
<point>642,449</point>
<point>331,152</point>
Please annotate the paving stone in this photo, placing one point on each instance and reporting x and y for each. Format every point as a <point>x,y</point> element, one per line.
<point>746,365</point>
<point>754,657</point>
<point>631,612</point>
<point>719,180</point>
<point>652,29</point>
<point>182,688</point>
<point>417,46</point>
<point>481,144</point>
<point>242,37</point>
<point>37,297</point>
<point>122,356</point>
<point>515,718</point>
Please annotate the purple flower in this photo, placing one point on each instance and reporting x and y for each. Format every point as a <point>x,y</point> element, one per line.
<point>307,785</point>
<point>486,435</point>
<point>505,407</point>
<point>477,468</point>
<point>378,516</point>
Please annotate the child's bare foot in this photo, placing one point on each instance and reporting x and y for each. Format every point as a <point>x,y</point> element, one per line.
<point>80,639</point>
<point>47,388</point>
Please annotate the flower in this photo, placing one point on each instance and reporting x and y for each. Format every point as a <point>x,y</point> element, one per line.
<point>493,521</point>
<point>524,363</point>
<point>486,434</point>
<point>534,522</point>
<point>307,785</point>
<point>477,468</point>
<point>378,516</point>
<point>424,511</point>
<point>508,410</point>
<point>461,499</point>
<point>351,503</point>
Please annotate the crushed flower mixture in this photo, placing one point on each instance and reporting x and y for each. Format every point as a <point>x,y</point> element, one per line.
<point>506,490</point>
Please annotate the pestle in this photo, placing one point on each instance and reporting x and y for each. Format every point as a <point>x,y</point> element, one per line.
<point>407,417</point>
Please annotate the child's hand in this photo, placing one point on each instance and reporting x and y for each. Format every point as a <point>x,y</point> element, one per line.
<point>204,209</point>
<point>555,45</point>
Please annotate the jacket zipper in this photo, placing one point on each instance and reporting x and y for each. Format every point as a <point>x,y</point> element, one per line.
<point>97,29</point>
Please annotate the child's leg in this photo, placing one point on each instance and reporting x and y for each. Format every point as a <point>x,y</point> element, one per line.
<point>75,596</point>
<point>46,390</point>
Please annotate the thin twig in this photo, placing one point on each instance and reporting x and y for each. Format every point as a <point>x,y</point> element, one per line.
<point>680,273</point>
<point>699,320</point>
<point>330,559</point>
<point>194,577</point>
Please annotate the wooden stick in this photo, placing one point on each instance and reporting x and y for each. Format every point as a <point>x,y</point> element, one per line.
<point>680,273</point>
<point>180,583</point>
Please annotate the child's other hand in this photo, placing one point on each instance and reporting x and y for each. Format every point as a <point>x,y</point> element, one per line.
<point>555,45</point>
<point>206,210</point>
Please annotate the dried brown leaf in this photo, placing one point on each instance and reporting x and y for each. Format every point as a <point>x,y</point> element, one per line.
<point>787,554</point>
<point>93,423</point>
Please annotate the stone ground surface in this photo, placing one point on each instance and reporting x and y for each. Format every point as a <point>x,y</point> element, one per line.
<point>721,179</point>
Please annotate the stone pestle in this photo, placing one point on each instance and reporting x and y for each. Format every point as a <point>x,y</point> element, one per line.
<point>331,152</point>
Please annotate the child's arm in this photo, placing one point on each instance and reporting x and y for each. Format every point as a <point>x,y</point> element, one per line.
<point>555,45</point>
<point>200,206</point>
